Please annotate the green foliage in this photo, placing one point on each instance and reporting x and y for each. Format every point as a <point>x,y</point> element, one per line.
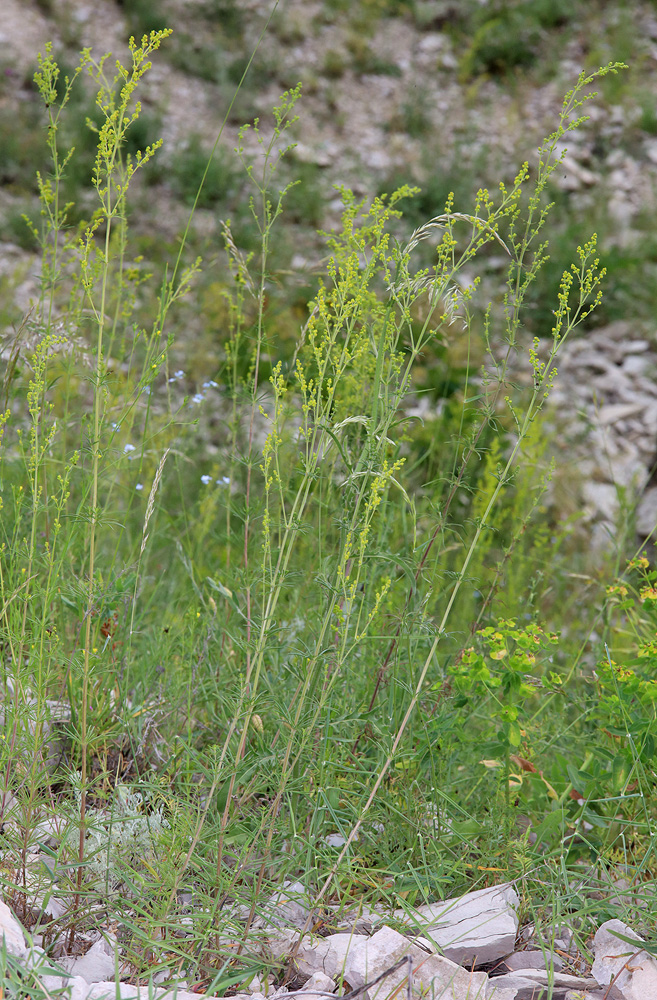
<point>627,705</point>
<point>144,16</point>
<point>226,15</point>
<point>366,60</point>
<point>21,150</point>
<point>502,668</point>
<point>334,64</point>
<point>648,119</point>
<point>456,177</point>
<point>257,586</point>
<point>305,201</point>
<point>16,228</point>
<point>192,56</point>
<point>194,170</point>
<point>509,34</point>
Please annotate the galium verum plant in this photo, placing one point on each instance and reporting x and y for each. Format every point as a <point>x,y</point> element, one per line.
<point>293,634</point>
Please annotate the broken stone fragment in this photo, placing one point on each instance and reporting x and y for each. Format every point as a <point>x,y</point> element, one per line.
<point>287,908</point>
<point>632,970</point>
<point>327,955</point>
<point>97,965</point>
<point>474,929</point>
<point>12,932</point>
<point>533,959</point>
<point>75,988</point>
<point>431,975</point>
<point>532,984</point>
<point>124,991</point>
<point>364,920</point>
<point>317,985</point>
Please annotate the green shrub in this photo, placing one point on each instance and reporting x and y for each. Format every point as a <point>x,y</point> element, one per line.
<point>189,170</point>
<point>226,15</point>
<point>21,150</point>
<point>193,56</point>
<point>305,201</point>
<point>509,34</point>
<point>144,16</point>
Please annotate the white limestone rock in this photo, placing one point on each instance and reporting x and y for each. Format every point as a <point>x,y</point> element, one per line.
<point>68,988</point>
<point>288,907</point>
<point>327,955</point>
<point>528,983</point>
<point>633,971</point>
<point>646,514</point>
<point>474,929</point>
<point>278,944</point>
<point>601,500</point>
<point>363,920</point>
<point>317,985</point>
<point>97,965</point>
<point>112,991</point>
<point>432,975</point>
<point>12,932</point>
<point>533,959</point>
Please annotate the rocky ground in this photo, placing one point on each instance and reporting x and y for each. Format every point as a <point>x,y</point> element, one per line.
<point>470,948</point>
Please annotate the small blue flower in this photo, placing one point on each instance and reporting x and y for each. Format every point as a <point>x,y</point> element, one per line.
<point>139,486</point>
<point>224,481</point>
<point>128,447</point>
<point>198,398</point>
<point>210,385</point>
<point>206,479</point>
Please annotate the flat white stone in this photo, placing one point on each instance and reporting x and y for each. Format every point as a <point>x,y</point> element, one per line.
<point>628,470</point>
<point>96,966</point>
<point>288,907</point>
<point>634,364</point>
<point>533,959</point>
<point>108,991</point>
<point>613,412</point>
<point>432,975</point>
<point>12,932</point>
<point>361,921</point>
<point>76,988</point>
<point>531,978</point>
<point>476,928</point>
<point>636,346</point>
<point>633,971</point>
<point>278,943</point>
<point>318,984</point>
<point>601,498</point>
<point>646,514</point>
<point>327,955</point>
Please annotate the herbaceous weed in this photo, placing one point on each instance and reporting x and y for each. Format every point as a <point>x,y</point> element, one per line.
<point>245,638</point>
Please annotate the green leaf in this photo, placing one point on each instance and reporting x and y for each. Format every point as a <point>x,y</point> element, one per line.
<point>650,949</point>
<point>578,779</point>
<point>515,736</point>
<point>219,587</point>
<point>620,770</point>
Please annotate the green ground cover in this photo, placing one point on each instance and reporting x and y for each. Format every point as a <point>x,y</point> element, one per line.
<point>275,607</point>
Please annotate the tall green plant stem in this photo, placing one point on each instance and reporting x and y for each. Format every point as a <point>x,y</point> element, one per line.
<point>588,276</point>
<point>111,179</point>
